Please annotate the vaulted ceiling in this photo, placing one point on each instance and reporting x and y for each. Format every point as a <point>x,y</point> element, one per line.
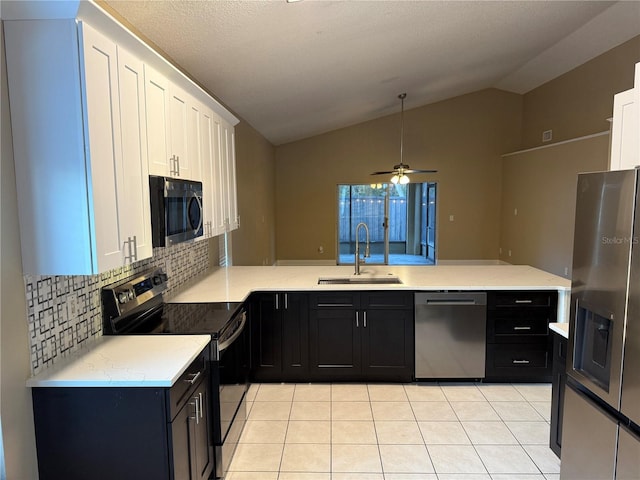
<point>294,70</point>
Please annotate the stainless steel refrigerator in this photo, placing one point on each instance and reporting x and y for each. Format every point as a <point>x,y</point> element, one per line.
<point>601,414</point>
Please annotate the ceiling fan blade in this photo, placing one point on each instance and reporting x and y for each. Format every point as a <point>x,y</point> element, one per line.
<point>383,173</point>
<point>411,170</point>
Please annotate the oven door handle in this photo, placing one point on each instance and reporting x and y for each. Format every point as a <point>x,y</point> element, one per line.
<point>222,346</point>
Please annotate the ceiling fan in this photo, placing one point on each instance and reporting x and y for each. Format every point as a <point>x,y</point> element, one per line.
<point>400,172</point>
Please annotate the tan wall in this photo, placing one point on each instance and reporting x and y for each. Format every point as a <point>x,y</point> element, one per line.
<point>462,138</point>
<point>541,185</point>
<point>15,402</point>
<point>579,102</point>
<point>254,242</point>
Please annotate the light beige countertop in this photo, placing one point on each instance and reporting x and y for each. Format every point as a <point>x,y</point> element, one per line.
<point>235,284</point>
<point>560,328</point>
<point>125,361</point>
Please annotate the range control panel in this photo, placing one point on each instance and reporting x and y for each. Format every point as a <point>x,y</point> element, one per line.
<point>122,297</point>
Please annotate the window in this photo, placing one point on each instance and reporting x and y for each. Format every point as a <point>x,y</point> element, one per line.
<point>400,218</point>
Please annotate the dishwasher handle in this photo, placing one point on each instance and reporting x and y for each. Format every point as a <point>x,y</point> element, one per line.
<point>451,298</point>
<point>452,302</point>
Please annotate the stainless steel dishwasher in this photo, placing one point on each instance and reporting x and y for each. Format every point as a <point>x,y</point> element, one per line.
<point>450,334</point>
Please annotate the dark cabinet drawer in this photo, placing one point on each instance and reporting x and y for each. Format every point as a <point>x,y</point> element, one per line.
<point>505,326</point>
<point>384,300</point>
<point>518,362</point>
<point>522,299</point>
<point>188,382</point>
<point>518,357</point>
<point>334,299</point>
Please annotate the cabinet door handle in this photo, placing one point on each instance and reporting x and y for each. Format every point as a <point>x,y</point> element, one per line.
<point>173,166</point>
<point>135,249</point>
<point>201,404</point>
<point>196,404</point>
<point>524,301</point>
<point>194,377</point>
<point>286,301</point>
<point>178,165</point>
<point>364,319</point>
<point>277,301</point>
<point>520,362</point>
<point>522,328</point>
<point>132,249</point>
<point>357,322</point>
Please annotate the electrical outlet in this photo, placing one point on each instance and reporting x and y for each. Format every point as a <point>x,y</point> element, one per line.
<point>566,271</point>
<point>547,135</point>
<point>515,212</point>
<point>320,249</point>
<point>509,252</point>
<point>451,218</point>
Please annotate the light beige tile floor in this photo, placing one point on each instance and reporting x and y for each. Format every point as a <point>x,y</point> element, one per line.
<point>445,431</point>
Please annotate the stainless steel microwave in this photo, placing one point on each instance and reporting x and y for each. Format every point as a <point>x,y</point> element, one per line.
<point>176,210</point>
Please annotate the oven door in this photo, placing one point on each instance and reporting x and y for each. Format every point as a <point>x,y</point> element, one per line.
<point>232,371</point>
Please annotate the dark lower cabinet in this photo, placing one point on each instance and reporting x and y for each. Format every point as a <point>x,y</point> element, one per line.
<point>279,337</point>
<point>361,336</point>
<point>519,344</point>
<point>128,433</point>
<point>558,384</point>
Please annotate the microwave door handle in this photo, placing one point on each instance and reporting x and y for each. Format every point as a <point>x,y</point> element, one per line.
<point>195,197</point>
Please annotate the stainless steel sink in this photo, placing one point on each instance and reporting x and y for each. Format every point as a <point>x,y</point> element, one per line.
<point>360,280</point>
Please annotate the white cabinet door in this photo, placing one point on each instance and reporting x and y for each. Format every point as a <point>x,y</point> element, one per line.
<point>178,114</point>
<point>220,178</point>
<point>228,150</point>
<point>157,122</point>
<point>206,156</point>
<point>625,148</point>
<point>636,89</point>
<point>135,218</point>
<point>105,169</point>
<point>211,174</point>
<point>194,140</point>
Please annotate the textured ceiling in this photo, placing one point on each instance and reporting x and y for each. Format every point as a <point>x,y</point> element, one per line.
<point>293,70</point>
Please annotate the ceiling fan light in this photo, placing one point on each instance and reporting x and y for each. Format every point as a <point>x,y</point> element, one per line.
<point>404,179</point>
<point>395,179</point>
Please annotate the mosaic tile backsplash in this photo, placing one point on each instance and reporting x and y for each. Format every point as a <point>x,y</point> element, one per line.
<point>65,312</point>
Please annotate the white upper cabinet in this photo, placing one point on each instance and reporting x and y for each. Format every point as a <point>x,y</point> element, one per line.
<point>218,175</point>
<point>104,147</point>
<point>228,149</point>
<point>76,200</point>
<point>624,132</point>
<point>157,110</point>
<point>174,129</point>
<point>193,168</point>
<point>625,129</point>
<point>212,212</point>
<point>136,219</point>
<point>94,112</point>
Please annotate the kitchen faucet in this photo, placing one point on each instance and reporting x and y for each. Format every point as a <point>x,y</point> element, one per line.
<point>366,249</point>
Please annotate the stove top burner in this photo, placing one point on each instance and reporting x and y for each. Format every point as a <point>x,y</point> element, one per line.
<point>135,305</point>
<point>197,318</point>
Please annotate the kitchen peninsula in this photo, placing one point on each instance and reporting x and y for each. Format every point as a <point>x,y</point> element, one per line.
<point>235,284</point>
